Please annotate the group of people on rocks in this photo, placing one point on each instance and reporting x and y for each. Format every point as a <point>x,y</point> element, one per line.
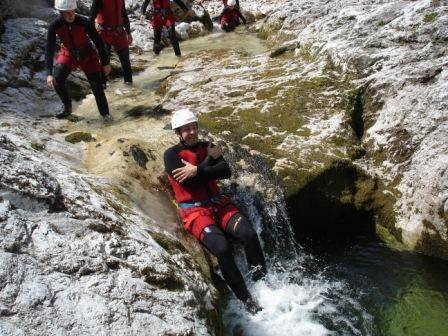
<point>76,34</point>
<point>193,166</point>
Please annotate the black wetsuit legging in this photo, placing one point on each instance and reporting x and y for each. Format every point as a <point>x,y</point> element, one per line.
<point>61,73</point>
<point>173,38</point>
<point>123,55</point>
<point>217,243</point>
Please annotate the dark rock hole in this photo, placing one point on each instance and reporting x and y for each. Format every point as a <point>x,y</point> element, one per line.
<point>332,208</point>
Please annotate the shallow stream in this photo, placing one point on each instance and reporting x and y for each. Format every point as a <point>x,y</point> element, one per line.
<point>363,288</point>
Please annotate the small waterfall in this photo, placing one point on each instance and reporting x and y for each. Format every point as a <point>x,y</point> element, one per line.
<point>297,296</point>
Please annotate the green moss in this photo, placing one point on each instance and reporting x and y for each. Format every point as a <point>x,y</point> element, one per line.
<point>430,17</point>
<point>307,53</point>
<point>390,240</point>
<point>270,142</point>
<point>168,243</point>
<point>121,195</point>
<point>37,146</point>
<point>79,136</point>
<point>431,242</point>
<point>268,93</point>
<point>5,124</point>
<point>331,69</point>
<point>114,205</point>
<point>167,280</point>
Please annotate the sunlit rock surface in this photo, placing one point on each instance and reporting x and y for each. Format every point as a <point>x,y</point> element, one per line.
<point>359,81</point>
<point>78,255</point>
<point>356,89</point>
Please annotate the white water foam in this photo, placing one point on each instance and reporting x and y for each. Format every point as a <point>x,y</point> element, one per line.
<point>295,304</point>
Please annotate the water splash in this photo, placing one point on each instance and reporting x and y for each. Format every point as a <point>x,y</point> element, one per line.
<point>297,296</point>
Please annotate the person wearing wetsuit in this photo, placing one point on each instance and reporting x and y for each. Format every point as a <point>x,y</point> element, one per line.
<point>163,16</point>
<point>231,15</point>
<point>114,29</point>
<point>76,33</point>
<point>193,167</point>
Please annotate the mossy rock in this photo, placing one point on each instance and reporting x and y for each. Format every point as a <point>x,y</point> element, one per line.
<point>430,17</point>
<point>167,280</point>
<point>168,243</point>
<point>277,52</point>
<point>78,137</point>
<point>37,146</point>
<point>431,242</point>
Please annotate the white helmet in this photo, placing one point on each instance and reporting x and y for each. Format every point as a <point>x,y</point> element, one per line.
<point>183,117</point>
<point>65,5</point>
<point>231,3</point>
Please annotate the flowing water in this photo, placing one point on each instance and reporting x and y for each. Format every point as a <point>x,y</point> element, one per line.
<point>366,288</point>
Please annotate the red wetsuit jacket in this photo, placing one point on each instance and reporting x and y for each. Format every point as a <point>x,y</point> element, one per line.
<point>113,22</point>
<point>200,194</point>
<point>231,17</point>
<point>76,49</point>
<point>162,16</point>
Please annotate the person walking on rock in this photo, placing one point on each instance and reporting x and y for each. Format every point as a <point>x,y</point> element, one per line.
<point>76,33</point>
<point>193,167</point>
<point>230,16</point>
<point>114,29</point>
<point>163,16</point>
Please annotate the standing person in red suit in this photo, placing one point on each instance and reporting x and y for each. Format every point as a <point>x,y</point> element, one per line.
<point>76,33</point>
<point>163,16</point>
<point>115,31</point>
<point>193,167</point>
<point>231,15</point>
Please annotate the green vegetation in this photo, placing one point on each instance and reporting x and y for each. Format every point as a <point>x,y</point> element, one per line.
<point>167,280</point>
<point>430,17</point>
<point>170,244</point>
<point>37,146</point>
<point>78,137</point>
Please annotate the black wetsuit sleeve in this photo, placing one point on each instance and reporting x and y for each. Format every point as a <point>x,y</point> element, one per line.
<point>93,34</point>
<point>50,48</point>
<point>219,169</point>
<point>144,6</point>
<point>173,161</point>
<point>126,23</point>
<point>241,16</point>
<point>181,5</point>
<point>96,6</point>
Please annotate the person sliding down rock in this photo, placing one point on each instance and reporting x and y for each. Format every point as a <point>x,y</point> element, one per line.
<point>163,16</point>
<point>193,167</point>
<point>76,33</point>
<point>114,29</point>
<point>230,16</point>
